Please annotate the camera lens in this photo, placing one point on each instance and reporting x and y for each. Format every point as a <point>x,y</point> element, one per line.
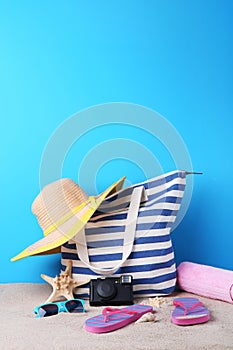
<point>106,289</point>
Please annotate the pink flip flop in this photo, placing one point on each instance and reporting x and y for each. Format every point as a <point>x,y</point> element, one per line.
<point>114,318</point>
<point>189,311</point>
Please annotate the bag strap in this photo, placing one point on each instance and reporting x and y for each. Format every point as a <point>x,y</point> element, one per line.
<point>137,196</point>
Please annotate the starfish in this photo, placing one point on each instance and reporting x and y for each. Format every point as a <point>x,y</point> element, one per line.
<point>63,285</point>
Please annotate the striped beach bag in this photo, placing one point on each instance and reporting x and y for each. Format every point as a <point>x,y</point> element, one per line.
<point>130,234</point>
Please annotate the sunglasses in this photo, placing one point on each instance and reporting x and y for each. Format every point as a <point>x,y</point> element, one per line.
<point>51,309</point>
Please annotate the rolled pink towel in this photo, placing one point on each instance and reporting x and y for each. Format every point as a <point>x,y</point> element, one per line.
<point>206,280</point>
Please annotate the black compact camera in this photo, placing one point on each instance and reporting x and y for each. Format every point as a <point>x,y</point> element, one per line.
<point>111,291</point>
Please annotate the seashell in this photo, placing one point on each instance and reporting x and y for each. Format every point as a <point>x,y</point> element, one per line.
<point>148,317</point>
<point>157,301</point>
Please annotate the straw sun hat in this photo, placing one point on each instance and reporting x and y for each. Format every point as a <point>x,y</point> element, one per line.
<point>62,209</point>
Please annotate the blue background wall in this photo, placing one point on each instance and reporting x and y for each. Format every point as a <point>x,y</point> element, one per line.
<point>58,57</point>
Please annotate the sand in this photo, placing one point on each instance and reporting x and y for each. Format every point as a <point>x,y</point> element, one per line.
<point>22,331</point>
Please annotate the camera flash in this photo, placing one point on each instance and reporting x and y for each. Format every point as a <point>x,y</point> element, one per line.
<point>126,279</point>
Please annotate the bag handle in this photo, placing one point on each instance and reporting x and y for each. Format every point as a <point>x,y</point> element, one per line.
<point>138,195</point>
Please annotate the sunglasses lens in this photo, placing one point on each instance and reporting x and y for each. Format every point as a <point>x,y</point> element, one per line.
<point>48,310</point>
<point>74,306</point>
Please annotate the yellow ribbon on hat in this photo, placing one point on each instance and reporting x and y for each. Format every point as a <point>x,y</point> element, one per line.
<point>72,212</point>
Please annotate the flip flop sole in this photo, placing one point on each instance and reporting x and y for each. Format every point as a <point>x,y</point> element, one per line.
<point>191,320</point>
<point>96,324</point>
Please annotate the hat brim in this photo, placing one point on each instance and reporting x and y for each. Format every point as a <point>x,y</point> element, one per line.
<point>56,236</point>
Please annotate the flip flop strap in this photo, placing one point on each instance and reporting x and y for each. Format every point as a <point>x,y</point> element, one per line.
<point>186,309</point>
<point>108,311</point>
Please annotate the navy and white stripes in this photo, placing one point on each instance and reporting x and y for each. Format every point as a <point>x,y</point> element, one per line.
<point>151,262</point>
